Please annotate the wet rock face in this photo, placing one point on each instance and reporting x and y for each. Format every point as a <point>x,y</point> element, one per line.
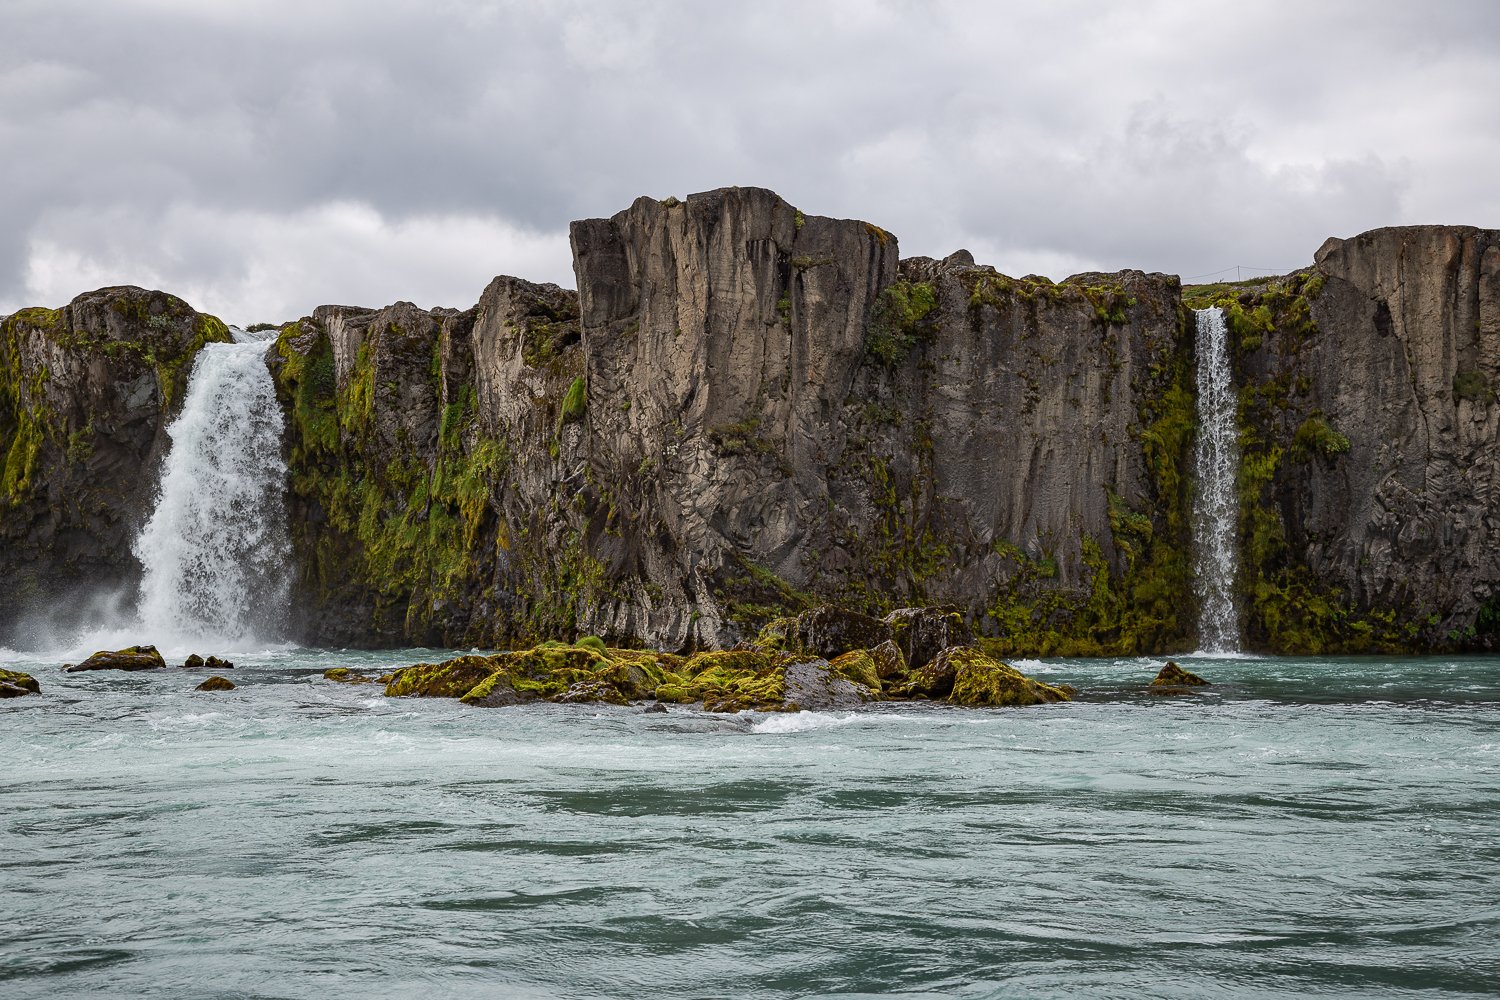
<point>1390,475</point>
<point>86,392</point>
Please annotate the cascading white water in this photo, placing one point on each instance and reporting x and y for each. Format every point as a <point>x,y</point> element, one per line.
<point>1216,510</point>
<point>215,550</point>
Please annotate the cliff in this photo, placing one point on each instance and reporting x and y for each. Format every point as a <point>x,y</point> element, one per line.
<point>1371,431</point>
<point>86,392</point>
<point>745,410</point>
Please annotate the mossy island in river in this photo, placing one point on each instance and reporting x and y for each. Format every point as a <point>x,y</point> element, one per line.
<point>813,662</point>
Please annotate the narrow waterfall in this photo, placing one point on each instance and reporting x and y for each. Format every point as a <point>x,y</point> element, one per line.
<point>1216,507</point>
<point>215,550</point>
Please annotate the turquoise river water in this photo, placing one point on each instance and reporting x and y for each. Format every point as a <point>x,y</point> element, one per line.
<point>1319,828</point>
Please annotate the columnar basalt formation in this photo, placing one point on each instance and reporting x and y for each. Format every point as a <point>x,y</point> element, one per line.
<point>743,411</point>
<point>86,392</point>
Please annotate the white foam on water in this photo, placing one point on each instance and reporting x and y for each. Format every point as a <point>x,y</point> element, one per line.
<point>806,722</point>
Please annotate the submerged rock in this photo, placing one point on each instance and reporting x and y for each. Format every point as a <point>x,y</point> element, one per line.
<point>1173,675</point>
<point>15,684</point>
<point>216,683</point>
<point>343,675</point>
<point>129,658</point>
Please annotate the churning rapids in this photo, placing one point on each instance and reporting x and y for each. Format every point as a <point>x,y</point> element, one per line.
<point>1306,828</point>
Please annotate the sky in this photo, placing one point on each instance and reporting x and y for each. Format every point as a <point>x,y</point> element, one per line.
<point>262,158</point>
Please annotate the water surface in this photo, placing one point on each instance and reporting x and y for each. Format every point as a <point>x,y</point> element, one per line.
<point>1306,827</point>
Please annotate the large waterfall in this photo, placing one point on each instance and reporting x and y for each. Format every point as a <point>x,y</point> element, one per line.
<point>215,550</point>
<point>1215,509</point>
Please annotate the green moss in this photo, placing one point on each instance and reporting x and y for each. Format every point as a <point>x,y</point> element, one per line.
<point>898,320</point>
<point>1315,437</point>
<point>981,681</point>
<point>1471,384</point>
<point>575,403</point>
<point>858,666</point>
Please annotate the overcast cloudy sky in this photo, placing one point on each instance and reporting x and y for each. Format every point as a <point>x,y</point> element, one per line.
<point>259,158</point>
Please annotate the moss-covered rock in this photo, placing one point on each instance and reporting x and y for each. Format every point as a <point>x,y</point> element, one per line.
<point>890,661</point>
<point>449,679</point>
<point>922,633</point>
<point>129,658</point>
<point>830,631</point>
<point>343,675</point>
<point>860,667</point>
<point>980,681</point>
<point>216,683</point>
<point>1173,675</point>
<point>15,684</point>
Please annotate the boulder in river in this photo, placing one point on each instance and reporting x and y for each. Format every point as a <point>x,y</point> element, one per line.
<point>193,662</point>
<point>129,658</point>
<point>815,686</point>
<point>15,684</point>
<point>344,675</point>
<point>1174,676</point>
<point>216,683</point>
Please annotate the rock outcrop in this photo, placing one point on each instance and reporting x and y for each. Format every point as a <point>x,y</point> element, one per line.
<point>718,681</point>
<point>15,684</point>
<point>86,392</point>
<point>129,658</point>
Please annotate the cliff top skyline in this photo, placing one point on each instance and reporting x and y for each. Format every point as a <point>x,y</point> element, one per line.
<point>262,162</point>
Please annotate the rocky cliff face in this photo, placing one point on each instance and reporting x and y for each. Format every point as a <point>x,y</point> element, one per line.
<point>746,411</point>
<point>85,395</point>
<point>743,411</point>
<point>1372,464</point>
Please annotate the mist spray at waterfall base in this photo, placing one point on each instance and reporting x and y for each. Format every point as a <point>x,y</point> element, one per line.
<point>1216,505</point>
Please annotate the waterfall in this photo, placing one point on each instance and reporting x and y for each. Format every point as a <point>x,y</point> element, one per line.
<point>215,550</point>
<point>1216,507</point>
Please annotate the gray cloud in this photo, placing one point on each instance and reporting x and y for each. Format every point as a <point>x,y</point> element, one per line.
<point>260,159</point>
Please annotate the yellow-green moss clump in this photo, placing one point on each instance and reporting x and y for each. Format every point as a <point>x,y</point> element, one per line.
<point>15,684</point>
<point>982,682</point>
<point>722,681</point>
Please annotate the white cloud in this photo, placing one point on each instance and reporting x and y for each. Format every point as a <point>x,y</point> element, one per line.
<point>1159,135</point>
<point>251,267</point>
